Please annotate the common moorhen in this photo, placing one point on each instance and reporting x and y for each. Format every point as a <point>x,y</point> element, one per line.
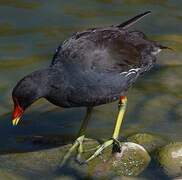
<point>92,67</point>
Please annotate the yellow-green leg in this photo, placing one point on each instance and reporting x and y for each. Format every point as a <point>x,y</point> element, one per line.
<point>113,140</point>
<point>78,144</point>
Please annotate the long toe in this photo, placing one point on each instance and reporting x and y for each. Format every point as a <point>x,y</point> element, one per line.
<point>100,149</point>
<point>79,157</point>
<point>77,146</point>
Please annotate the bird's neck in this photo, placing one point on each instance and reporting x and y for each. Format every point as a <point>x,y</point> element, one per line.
<point>42,80</point>
<point>55,86</point>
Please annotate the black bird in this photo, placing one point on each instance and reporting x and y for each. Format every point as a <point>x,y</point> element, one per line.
<point>92,67</point>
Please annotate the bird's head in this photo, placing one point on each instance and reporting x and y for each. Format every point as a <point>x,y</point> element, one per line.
<point>27,91</point>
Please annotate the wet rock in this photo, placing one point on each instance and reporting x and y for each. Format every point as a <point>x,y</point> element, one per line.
<point>131,161</point>
<point>8,175</point>
<point>127,178</point>
<point>36,165</point>
<point>170,159</point>
<point>149,141</point>
<point>64,178</point>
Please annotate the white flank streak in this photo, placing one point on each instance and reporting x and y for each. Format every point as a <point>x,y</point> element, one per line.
<point>136,69</point>
<point>123,72</point>
<point>131,71</point>
<point>156,51</point>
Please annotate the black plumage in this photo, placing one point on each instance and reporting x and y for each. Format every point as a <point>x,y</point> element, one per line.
<point>92,67</point>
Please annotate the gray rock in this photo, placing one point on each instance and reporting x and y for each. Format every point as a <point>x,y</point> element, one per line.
<point>170,158</point>
<point>9,175</point>
<point>45,164</point>
<point>127,178</point>
<point>131,161</point>
<point>149,141</point>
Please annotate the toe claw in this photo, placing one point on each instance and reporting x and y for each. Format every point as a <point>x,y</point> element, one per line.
<point>79,159</point>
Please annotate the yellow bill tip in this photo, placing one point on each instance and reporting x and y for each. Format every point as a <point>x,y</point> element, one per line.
<point>15,121</point>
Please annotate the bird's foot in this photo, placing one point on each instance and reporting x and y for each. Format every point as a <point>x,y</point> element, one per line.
<point>77,145</point>
<point>100,148</point>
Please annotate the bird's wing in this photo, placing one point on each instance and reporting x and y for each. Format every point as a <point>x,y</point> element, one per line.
<point>102,50</point>
<point>111,49</point>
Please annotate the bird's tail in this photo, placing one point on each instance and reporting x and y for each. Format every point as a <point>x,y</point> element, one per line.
<point>165,47</point>
<point>133,20</point>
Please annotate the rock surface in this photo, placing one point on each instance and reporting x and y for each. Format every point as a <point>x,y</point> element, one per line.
<point>170,158</point>
<point>132,160</point>
<point>149,141</point>
<point>9,175</point>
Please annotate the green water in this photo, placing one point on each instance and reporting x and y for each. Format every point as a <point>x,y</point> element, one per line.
<point>30,31</point>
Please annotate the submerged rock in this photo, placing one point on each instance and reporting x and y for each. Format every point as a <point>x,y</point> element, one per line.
<point>131,161</point>
<point>170,159</point>
<point>149,141</point>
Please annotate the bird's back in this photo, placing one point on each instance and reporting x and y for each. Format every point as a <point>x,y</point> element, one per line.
<point>103,62</point>
<point>104,50</point>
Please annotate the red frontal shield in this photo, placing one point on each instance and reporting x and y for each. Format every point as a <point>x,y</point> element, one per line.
<point>17,113</point>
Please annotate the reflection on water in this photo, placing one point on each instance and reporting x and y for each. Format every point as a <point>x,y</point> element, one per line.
<point>29,35</point>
